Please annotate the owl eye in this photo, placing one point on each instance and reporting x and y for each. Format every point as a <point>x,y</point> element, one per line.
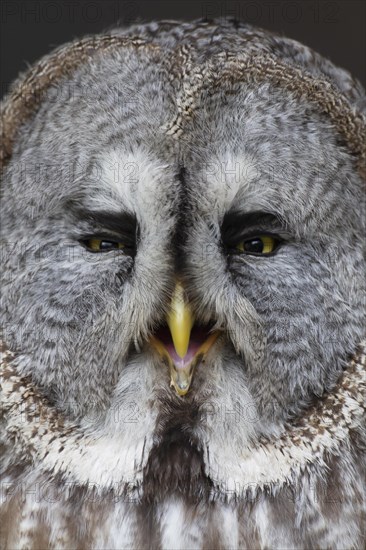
<point>262,244</point>
<point>102,245</point>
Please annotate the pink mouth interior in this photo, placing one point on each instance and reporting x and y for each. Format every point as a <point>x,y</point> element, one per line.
<point>198,337</point>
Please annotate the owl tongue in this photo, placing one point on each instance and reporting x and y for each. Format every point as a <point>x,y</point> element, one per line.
<point>182,362</point>
<point>198,337</point>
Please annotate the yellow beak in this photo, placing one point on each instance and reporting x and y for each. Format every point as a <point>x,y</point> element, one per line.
<point>180,321</point>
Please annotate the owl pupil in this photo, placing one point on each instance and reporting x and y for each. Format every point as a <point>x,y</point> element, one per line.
<point>107,245</point>
<point>254,245</point>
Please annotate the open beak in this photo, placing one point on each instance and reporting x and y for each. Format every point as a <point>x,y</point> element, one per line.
<point>182,343</point>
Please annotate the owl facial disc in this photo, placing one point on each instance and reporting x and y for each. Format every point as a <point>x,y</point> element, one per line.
<point>182,343</point>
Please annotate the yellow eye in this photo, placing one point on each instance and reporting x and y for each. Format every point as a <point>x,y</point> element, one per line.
<point>101,245</point>
<point>264,244</point>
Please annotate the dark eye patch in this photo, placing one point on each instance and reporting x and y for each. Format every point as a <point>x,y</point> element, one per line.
<point>107,225</point>
<point>238,226</point>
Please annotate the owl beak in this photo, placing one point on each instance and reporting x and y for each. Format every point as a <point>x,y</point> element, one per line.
<point>180,350</point>
<point>180,321</point>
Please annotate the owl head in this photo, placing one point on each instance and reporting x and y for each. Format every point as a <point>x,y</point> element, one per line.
<point>183,234</point>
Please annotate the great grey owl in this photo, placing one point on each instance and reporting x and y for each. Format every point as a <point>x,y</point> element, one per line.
<point>183,286</point>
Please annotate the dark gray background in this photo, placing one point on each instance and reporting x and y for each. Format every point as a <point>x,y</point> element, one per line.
<point>31,28</point>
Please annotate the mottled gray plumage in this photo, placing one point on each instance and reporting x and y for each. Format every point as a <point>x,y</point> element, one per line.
<point>180,130</point>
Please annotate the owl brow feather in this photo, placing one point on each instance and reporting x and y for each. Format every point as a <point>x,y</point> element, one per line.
<point>236,223</point>
<point>123,223</point>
